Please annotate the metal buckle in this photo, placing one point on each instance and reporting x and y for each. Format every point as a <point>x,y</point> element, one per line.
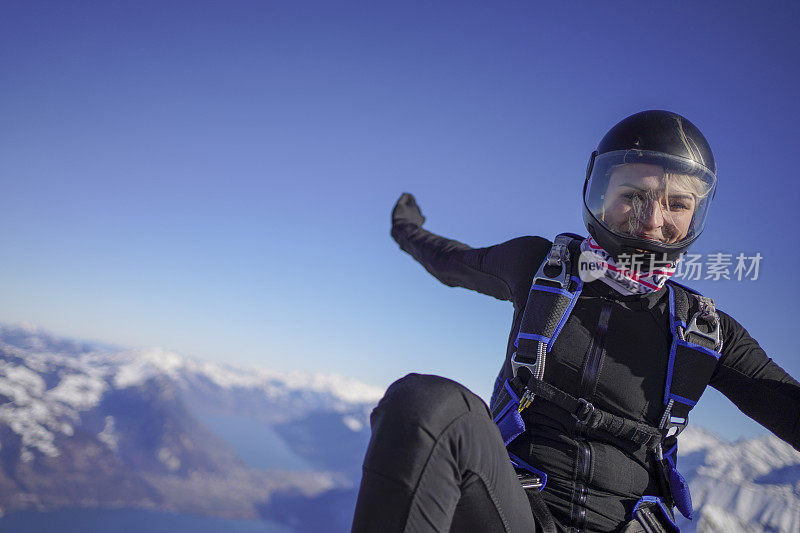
<point>529,481</point>
<point>584,412</point>
<point>515,365</point>
<point>675,422</point>
<point>562,278</point>
<point>558,256</point>
<point>712,335</point>
<point>557,253</point>
<point>659,452</point>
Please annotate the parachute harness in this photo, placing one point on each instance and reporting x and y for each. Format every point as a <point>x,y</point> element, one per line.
<point>694,352</point>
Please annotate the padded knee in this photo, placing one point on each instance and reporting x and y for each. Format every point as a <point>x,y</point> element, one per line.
<point>431,402</point>
<point>414,412</point>
<point>430,435</point>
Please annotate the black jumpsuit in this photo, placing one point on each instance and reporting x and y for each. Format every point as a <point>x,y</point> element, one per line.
<point>613,352</point>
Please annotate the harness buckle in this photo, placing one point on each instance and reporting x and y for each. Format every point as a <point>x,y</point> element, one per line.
<point>529,481</point>
<point>659,452</point>
<point>712,335</point>
<point>558,257</point>
<point>584,411</point>
<point>678,423</point>
<point>561,278</point>
<point>516,365</point>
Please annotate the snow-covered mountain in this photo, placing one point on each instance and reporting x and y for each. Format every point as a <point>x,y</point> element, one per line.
<point>750,486</point>
<point>86,425</point>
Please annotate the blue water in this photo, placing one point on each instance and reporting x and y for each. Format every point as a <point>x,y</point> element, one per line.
<point>128,521</point>
<point>255,442</point>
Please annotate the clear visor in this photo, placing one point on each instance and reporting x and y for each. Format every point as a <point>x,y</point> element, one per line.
<point>650,196</point>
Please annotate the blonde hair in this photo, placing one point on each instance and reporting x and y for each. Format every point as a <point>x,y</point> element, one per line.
<point>685,182</point>
<point>697,187</point>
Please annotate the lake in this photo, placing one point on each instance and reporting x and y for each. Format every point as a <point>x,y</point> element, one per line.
<point>128,521</point>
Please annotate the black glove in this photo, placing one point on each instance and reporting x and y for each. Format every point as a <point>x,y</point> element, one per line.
<point>406,211</point>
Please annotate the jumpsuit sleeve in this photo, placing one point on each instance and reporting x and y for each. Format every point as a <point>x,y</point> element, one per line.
<point>496,270</point>
<point>756,384</point>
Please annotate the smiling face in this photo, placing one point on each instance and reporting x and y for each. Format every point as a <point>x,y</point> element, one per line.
<point>642,201</point>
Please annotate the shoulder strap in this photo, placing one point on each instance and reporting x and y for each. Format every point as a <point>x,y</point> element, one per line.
<point>553,294</point>
<point>695,350</point>
<point>703,326</point>
<point>693,356</point>
<point>554,291</point>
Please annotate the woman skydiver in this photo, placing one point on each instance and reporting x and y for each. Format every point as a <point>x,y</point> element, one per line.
<point>627,355</point>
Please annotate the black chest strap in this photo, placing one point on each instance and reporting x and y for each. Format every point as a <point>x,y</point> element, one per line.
<point>594,418</point>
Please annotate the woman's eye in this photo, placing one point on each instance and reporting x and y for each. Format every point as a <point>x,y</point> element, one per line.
<point>678,206</point>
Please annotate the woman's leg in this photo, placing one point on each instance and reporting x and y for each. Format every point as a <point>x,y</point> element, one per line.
<point>436,461</point>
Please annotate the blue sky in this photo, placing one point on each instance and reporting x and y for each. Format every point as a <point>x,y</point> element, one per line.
<point>216,178</point>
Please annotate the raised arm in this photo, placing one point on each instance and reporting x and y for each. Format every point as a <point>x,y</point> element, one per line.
<point>757,385</point>
<point>496,270</point>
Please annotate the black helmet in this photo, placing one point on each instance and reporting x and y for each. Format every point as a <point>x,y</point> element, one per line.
<point>649,185</point>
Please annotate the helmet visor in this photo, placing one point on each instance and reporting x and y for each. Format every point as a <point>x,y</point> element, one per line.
<point>650,196</point>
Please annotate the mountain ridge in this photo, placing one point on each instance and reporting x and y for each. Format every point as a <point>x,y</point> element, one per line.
<point>151,429</point>
<point>87,427</point>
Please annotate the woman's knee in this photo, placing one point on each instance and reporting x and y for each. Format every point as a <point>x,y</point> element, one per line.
<point>409,421</point>
<point>428,401</point>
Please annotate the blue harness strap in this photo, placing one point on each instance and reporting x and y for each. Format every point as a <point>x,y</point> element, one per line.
<point>551,298</point>
<point>509,420</point>
<point>693,357</point>
<point>654,502</point>
<point>679,487</point>
<point>519,463</point>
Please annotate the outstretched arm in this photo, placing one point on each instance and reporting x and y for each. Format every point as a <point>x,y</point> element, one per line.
<point>494,270</point>
<point>757,385</point>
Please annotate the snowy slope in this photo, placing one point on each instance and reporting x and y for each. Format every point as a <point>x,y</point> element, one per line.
<point>150,428</point>
<point>46,382</point>
<point>751,485</point>
<point>89,425</point>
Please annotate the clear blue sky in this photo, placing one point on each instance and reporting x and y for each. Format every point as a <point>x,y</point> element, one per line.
<point>216,177</point>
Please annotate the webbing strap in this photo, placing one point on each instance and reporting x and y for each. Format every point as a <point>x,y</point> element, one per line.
<point>551,298</point>
<point>693,358</point>
<point>647,512</point>
<point>693,353</point>
<point>592,417</point>
<point>507,417</point>
<point>541,513</point>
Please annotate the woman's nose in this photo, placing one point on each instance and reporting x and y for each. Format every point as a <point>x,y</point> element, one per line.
<point>652,215</point>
